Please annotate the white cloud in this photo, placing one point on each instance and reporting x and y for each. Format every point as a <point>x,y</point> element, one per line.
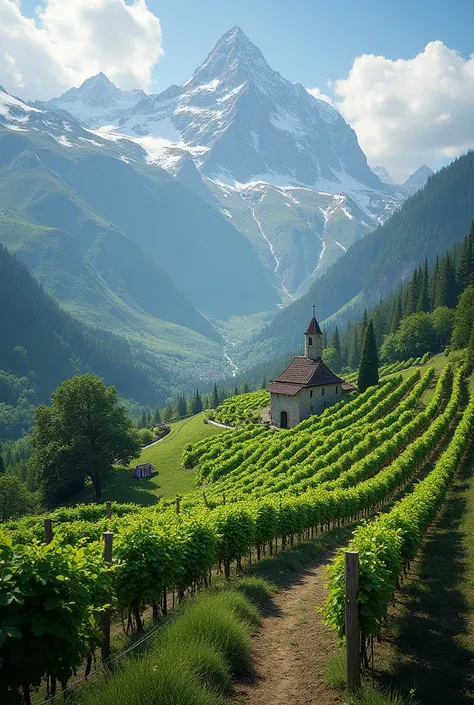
<point>71,40</point>
<point>317,93</point>
<point>410,112</point>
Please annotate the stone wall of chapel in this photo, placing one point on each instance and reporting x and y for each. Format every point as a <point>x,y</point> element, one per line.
<point>284,402</point>
<point>316,402</point>
<point>305,403</point>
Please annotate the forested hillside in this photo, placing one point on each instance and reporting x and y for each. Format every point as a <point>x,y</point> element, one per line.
<point>40,345</point>
<point>419,316</point>
<point>427,225</point>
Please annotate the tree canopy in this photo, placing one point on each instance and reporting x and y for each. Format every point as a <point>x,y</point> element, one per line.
<point>15,500</point>
<point>369,363</point>
<point>81,435</point>
<point>464,319</point>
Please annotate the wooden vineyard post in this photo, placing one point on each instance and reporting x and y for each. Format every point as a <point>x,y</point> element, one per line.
<point>109,510</point>
<point>105,650</point>
<point>351,563</point>
<point>48,530</point>
<point>178,504</point>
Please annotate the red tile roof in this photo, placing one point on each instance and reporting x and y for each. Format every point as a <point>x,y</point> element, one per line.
<point>303,372</point>
<point>313,328</point>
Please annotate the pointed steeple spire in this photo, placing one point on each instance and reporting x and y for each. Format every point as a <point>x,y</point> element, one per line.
<point>313,328</point>
<point>313,338</point>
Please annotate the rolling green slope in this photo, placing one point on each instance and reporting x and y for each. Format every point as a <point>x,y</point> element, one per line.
<point>92,267</point>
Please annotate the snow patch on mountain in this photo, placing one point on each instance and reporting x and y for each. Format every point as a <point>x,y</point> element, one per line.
<point>13,112</point>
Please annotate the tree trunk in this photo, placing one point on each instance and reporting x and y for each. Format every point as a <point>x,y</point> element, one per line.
<point>97,482</point>
<point>26,694</point>
<point>136,614</point>
<point>88,666</point>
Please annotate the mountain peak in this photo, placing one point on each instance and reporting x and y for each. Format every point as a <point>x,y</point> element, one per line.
<point>383,175</point>
<point>233,58</point>
<point>100,80</point>
<point>97,99</point>
<point>423,169</point>
<point>417,180</point>
<point>234,35</point>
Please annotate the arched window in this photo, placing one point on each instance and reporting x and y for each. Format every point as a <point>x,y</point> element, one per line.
<point>310,340</point>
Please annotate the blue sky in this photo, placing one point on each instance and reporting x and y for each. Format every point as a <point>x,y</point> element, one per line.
<point>308,41</point>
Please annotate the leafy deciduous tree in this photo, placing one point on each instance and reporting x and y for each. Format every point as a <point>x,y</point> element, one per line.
<point>15,500</point>
<point>81,435</point>
<point>415,336</point>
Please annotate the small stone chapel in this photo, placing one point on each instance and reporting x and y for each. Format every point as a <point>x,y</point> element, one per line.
<point>307,386</point>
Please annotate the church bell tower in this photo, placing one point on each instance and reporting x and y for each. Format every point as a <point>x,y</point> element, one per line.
<point>313,339</point>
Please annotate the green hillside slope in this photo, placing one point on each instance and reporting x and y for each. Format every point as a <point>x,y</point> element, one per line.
<point>92,190</point>
<point>40,345</point>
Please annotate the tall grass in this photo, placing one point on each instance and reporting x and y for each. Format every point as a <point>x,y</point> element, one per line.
<point>368,694</point>
<point>192,661</point>
<point>371,694</point>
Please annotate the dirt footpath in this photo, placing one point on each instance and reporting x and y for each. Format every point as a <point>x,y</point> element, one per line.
<point>291,647</point>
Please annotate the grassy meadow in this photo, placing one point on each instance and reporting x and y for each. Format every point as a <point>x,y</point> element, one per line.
<point>165,455</point>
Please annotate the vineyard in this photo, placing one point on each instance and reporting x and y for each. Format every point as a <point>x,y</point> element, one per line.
<point>394,367</point>
<point>245,409</point>
<point>260,489</point>
<point>242,409</point>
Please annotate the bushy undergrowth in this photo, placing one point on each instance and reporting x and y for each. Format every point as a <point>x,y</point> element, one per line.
<point>192,660</point>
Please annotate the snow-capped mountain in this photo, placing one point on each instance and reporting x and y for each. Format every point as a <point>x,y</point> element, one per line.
<point>252,124</point>
<point>248,141</point>
<point>383,175</point>
<point>14,113</point>
<point>417,180</point>
<point>97,101</point>
<point>91,218</point>
<point>61,128</point>
<point>255,137</point>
